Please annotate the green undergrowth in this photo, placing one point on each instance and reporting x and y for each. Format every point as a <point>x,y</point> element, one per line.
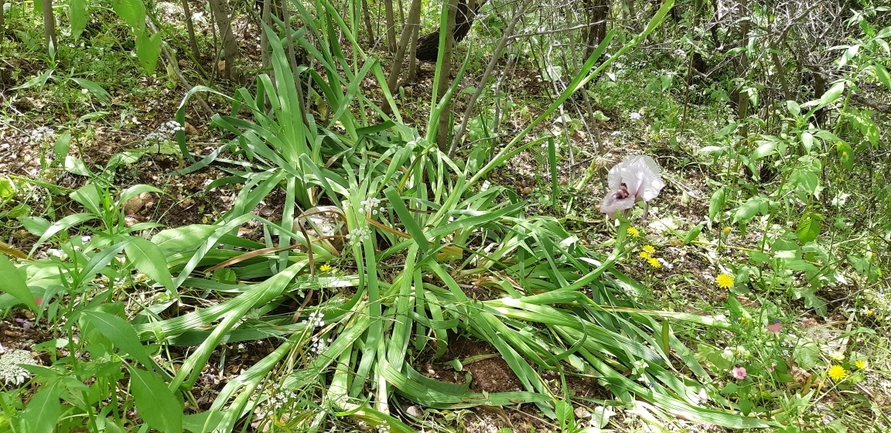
<point>386,248</point>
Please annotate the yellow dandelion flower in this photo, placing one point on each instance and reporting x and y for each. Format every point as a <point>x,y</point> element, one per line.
<point>860,364</point>
<point>649,249</point>
<point>325,268</point>
<point>724,281</point>
<point>837,373</point>
<point>654,262</point>
<point>838,356</point>
<point>644,255</point>
<point>726,230</point>
<point>633,232</point>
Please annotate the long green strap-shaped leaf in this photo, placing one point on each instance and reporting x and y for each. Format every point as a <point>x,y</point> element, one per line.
<point>237,309</point>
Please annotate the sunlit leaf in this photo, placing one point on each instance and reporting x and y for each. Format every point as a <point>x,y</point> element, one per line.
<point>809,227</point>
<point>120,333</point>
<point>148,258</point>
<point>44,408</point>
<point>882,75</point>
<point>183,238</point>
<point>156,404</point>
<point>14,283</point>
<point>131,11</point>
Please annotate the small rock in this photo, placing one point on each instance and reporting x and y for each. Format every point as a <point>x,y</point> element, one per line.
<point>414,411</point>
<point>132,205</point>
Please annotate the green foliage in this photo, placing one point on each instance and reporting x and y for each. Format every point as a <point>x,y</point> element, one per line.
<point>422,248</point>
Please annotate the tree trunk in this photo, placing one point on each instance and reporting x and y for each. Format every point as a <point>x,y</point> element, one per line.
<point>445,69</point>
<point>390,22</point>
<point>2,24</point>
<point>190,29</point>
<point>265,18</point>
<point>49,26</point>
<point>224,24</point>
<point>366,14</point>
<point>597,12</point>
<point>742,69</point>
<point>428,46</point>
<point>414,20</point>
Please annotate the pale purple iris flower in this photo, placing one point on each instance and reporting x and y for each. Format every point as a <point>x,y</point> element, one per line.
<point>636,178</point>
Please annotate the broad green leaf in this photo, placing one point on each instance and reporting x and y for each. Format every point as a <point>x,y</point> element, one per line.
<point>14,283</point>
<point>829,97</point>
<point>565,415</point>
<point>62,145</point>
<point>95,89</point>
<point>806,354</point>
<point>767,147</point>
<point>727,130</point>
<point>148,50</point>
<point>809,227</point>
<point>225,275</point>
<point>793,108</point>
<point>804,266</point>
<point>131,11</point>
<point>807,140</point>
<point>37,226</point>
<point>120,333</point>
<point>826,135</point>
<point>90,197</point>
<point>149,259</point>
<point>805,181</point>
<point>849,54</point>
<point>7,188</point>
<point>693,233</point>
<point>746,406</point>
<point>183,238</point>
<point>750,208</point>
<point>882,75</point>
<point>39,80</point>
<point>135,190</point>
<point>155,403</point>
<point>76,166</point>
<point>60,225</point>
<point>98,262</point>
<point>44,408</point>
<point>716,204</point>
<point>871,132</point>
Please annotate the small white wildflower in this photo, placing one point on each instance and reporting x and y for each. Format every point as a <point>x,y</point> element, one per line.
<point>357,235</point>
<point>10,372</point>
<point>53,252</point>
<point>86,239</point>
<point>634,115</point>
<point>43,134</point>
<point>315,319</point>
<point>371,205</point>
<point>318,345</point>
<point>171,127</point>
